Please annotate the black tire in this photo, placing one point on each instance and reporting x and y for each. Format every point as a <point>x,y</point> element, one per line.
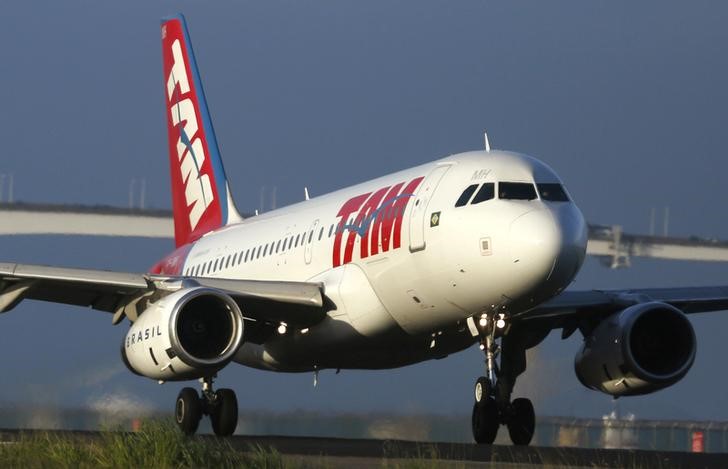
<point>188,411</point>
<point>522,422</point>
<point>482,389</point>
<point>485,421</point>
<point>224,414</point>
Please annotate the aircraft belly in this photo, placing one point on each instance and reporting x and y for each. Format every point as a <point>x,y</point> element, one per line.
<point>336,345</point>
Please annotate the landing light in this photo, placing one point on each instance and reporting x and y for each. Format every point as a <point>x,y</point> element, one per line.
<point>282,329</point>
<point>500,323</point>
<point>483,320</point>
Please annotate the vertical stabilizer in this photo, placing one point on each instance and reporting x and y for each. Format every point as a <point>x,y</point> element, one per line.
<point>201,199</point>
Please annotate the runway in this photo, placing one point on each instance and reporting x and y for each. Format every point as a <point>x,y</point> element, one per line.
<point>367,452</point>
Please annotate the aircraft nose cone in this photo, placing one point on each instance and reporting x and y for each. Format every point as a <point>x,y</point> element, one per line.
<point>535,241</point>
<point>547,250</point>
<point>573,246</point>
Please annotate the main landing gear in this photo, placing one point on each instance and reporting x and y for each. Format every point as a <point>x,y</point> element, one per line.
<point>220,405</point>
<point>493,406</point>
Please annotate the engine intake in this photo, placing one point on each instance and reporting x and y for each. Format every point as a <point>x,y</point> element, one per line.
<point>188,334</point>
<point>644,348</point>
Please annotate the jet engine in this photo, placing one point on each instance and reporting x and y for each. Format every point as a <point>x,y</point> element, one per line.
<point>643,348</point>
<point>189,334</point>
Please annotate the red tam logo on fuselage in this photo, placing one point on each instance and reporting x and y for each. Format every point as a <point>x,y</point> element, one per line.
<point>376,217</point>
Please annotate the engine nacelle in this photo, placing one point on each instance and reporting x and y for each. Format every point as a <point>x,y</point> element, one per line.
<point>644,348</point>
<point>188,334</point>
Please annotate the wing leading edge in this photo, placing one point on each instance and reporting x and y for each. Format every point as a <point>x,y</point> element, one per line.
<point>126,294</point>
<point>571,307</point>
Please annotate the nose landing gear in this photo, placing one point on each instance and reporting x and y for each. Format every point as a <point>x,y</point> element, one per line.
<point>220,405</point>
<point>493,406</point>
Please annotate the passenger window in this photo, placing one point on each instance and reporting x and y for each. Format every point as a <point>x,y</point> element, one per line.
<point>486,192</point>
<point>516,191</point>
<point>245,259</point>
<point>552,192</point>
<point>278,246</point>
<point>331,229</point>
<point>214,268</point>
<point>310,237</point>
<point>321,233</point>
<point>466,195</point>
<point>227,261</point>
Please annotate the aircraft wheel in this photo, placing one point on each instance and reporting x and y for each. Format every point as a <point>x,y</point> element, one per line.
<point>224,414</point>
<point>482,389</point>
<point>522,422</point>
<point>188,411</point>
<point>485,421</point>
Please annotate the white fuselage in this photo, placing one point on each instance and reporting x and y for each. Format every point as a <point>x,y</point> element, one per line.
<point>403,266</point>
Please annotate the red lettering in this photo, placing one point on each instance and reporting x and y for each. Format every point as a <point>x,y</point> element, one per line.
<point>364,222</point>
<point>351,206</point>
<point>381,215</point>
<point>383,221</point>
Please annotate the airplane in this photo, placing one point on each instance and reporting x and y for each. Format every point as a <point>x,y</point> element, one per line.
<point>474,248</point>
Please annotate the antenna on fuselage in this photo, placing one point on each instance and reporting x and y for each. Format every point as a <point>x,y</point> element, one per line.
<point>487,142</point>
<point>305,193</point>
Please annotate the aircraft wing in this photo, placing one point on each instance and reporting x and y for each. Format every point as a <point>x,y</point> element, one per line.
<point>296,303</point>
<point>570,307</point>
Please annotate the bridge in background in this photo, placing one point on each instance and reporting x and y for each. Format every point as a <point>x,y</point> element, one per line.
<point>610,244</point>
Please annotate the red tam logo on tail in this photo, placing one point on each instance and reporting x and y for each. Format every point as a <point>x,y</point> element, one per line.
<point>194,188</point>
<point>190,150</point>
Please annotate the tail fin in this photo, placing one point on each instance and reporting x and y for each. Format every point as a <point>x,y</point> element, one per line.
<point>201,199</point>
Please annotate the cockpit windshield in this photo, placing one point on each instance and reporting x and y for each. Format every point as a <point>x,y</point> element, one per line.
<point>516,191</point>
<point>552,192</point>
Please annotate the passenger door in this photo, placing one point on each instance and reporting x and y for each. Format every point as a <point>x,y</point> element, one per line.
<point>418,216</point>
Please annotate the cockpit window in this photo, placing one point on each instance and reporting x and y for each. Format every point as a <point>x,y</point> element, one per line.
<point>486,192</point>
<point>466,195</point>
<point>552,192</point>
<point>516,191</point>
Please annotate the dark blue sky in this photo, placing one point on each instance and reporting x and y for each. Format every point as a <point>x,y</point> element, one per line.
<point>627,102</point>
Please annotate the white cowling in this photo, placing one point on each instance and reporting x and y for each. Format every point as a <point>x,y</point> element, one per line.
<point>639,350</point>
<point>189,334</point>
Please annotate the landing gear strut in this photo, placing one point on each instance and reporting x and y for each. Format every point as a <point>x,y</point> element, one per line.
<point>493,406</point>
<point>220,405</point>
